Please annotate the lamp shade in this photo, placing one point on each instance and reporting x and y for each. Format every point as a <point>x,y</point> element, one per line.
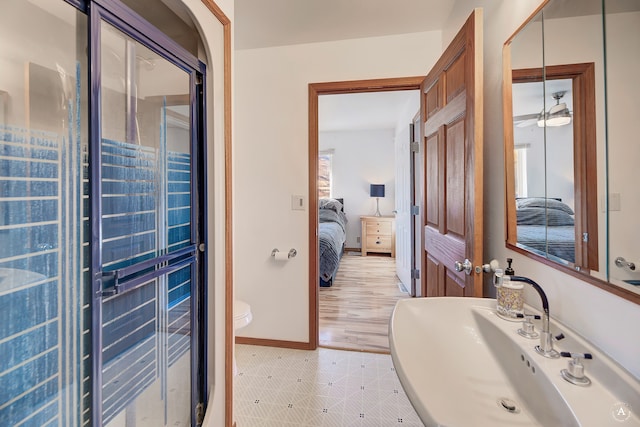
<point>376,190</point>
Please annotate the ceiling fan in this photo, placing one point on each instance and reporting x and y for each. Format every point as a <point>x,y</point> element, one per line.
<point>558,115</point>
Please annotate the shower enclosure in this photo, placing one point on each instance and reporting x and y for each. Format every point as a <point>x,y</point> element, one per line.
<point>101,219</point>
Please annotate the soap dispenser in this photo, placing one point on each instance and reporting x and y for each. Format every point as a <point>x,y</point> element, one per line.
<point>509,271</point>
<point>509,296</point>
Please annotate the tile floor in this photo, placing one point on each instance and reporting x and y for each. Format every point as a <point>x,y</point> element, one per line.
<point>278,387</point>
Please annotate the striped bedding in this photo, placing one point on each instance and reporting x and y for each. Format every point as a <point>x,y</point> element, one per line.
<point>331,236</point>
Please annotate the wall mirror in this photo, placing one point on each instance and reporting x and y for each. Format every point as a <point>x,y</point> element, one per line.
<point>570,104</point>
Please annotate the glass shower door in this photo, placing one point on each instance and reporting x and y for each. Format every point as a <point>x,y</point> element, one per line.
<point>146,259</point>
<point>45,367</point>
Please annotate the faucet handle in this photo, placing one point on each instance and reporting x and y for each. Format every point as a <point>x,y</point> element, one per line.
<point>575,372</point>
<point>576,355</point>
<point>528,329</point>
<point>528,316</point>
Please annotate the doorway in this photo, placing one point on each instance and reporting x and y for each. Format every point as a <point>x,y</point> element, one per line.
<point>356,203</point>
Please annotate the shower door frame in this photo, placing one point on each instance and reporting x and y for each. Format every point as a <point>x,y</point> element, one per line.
<point>122,18</point>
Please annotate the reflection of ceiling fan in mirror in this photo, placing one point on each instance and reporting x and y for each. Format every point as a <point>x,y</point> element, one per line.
<point>558,115</point>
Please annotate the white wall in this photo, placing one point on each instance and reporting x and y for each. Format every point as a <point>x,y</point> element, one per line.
<point>360,158</point>
<point>211,32</point>
<point>559,161</point>
<point>271,162</point>
<point>623,31</point>
<point>606,320</point>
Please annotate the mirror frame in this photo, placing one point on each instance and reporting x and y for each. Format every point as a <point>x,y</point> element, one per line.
<point>582,76</point>
<point>510,214</point>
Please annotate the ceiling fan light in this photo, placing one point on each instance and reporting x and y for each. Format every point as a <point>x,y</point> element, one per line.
<point>558,115</point>
<point>558,108</point>
<point>559,120</point>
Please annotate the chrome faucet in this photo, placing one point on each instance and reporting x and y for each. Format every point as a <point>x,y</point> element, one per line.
<point>546,338</point>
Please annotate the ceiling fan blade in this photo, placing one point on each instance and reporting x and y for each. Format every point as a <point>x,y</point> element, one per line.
<point>526,123</point>
<point>525,120</point>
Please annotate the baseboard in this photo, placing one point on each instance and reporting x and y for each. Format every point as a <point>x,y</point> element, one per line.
<point>360,350</point>
<point>296,345</point>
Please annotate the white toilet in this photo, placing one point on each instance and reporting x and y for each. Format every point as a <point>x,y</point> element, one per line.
<point>241,314</point>
<point>241,317</point>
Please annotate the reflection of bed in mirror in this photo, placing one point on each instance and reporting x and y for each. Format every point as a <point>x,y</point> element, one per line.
<point>546,226</point>
<point>331,236</point>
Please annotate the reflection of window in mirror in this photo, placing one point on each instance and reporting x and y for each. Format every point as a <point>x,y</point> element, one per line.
<point>324,173</point>
<point>561,223</point>
<point>520,167</point>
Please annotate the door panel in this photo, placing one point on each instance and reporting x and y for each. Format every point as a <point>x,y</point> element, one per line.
<point>432,275</point>
<point>433,98</point>
<point>455,77</point>
<point>403,207</point>
<point>455,161</point>
<point>454,287</point>
<point>452,114</point>
<point>146,257</point>
<point>432,180</point>
<point>45,347</point>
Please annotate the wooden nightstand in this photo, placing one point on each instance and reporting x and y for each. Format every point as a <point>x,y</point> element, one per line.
<point>378,235</point>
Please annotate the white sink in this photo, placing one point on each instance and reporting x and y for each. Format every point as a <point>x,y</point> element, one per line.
<point>459,362</point>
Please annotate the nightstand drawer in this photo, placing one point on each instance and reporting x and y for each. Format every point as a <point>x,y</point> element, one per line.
<point>378,235</point>
<point>378,227</point>
<point>378,243</point>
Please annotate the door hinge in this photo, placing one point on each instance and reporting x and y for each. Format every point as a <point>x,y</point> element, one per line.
<point>585,237</point>
<point>199,413</point>
<point>415,273</point>
<point>415,210</point>
<point>415,147</point>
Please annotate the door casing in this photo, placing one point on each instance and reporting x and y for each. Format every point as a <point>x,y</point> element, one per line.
<point>315,90</point>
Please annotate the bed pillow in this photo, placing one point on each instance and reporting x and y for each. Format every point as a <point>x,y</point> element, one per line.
<point>541,202</point>
<point>536,216</point>
<point>331,204</point>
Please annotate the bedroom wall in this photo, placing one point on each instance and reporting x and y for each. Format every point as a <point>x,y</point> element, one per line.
<point>361,157</point>
<point>606,320</point>
<point>271,162</point>
<point>559,163</point>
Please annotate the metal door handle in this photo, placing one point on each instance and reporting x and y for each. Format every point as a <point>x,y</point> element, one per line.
<point>622,263</point>
<point>463,266</point>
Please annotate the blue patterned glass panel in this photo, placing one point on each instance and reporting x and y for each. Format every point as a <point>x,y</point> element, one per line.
<point>43,292</point>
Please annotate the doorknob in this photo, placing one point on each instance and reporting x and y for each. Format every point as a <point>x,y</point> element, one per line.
<point>488,268</point>
<point>463,266</point>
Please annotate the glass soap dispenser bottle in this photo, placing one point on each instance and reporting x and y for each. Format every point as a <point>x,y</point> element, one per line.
<point>509,295</point>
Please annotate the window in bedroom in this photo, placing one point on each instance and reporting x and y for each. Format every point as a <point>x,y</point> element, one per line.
<point>324,173</point>
<point>520,157</point>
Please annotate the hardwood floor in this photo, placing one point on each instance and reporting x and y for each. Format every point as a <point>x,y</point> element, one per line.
<point>355,311</point>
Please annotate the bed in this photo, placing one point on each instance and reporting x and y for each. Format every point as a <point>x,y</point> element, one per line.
<point>546,226</point>
<point>331,236</point>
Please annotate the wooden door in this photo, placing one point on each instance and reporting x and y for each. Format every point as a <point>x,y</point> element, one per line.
<point>403,206</point>
<point>451,109</point>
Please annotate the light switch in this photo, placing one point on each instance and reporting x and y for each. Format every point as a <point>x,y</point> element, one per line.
<point>297,203</point>
<point>614,202</point>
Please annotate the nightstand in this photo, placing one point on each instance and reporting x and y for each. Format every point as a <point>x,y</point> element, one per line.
<point>378,235</point>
